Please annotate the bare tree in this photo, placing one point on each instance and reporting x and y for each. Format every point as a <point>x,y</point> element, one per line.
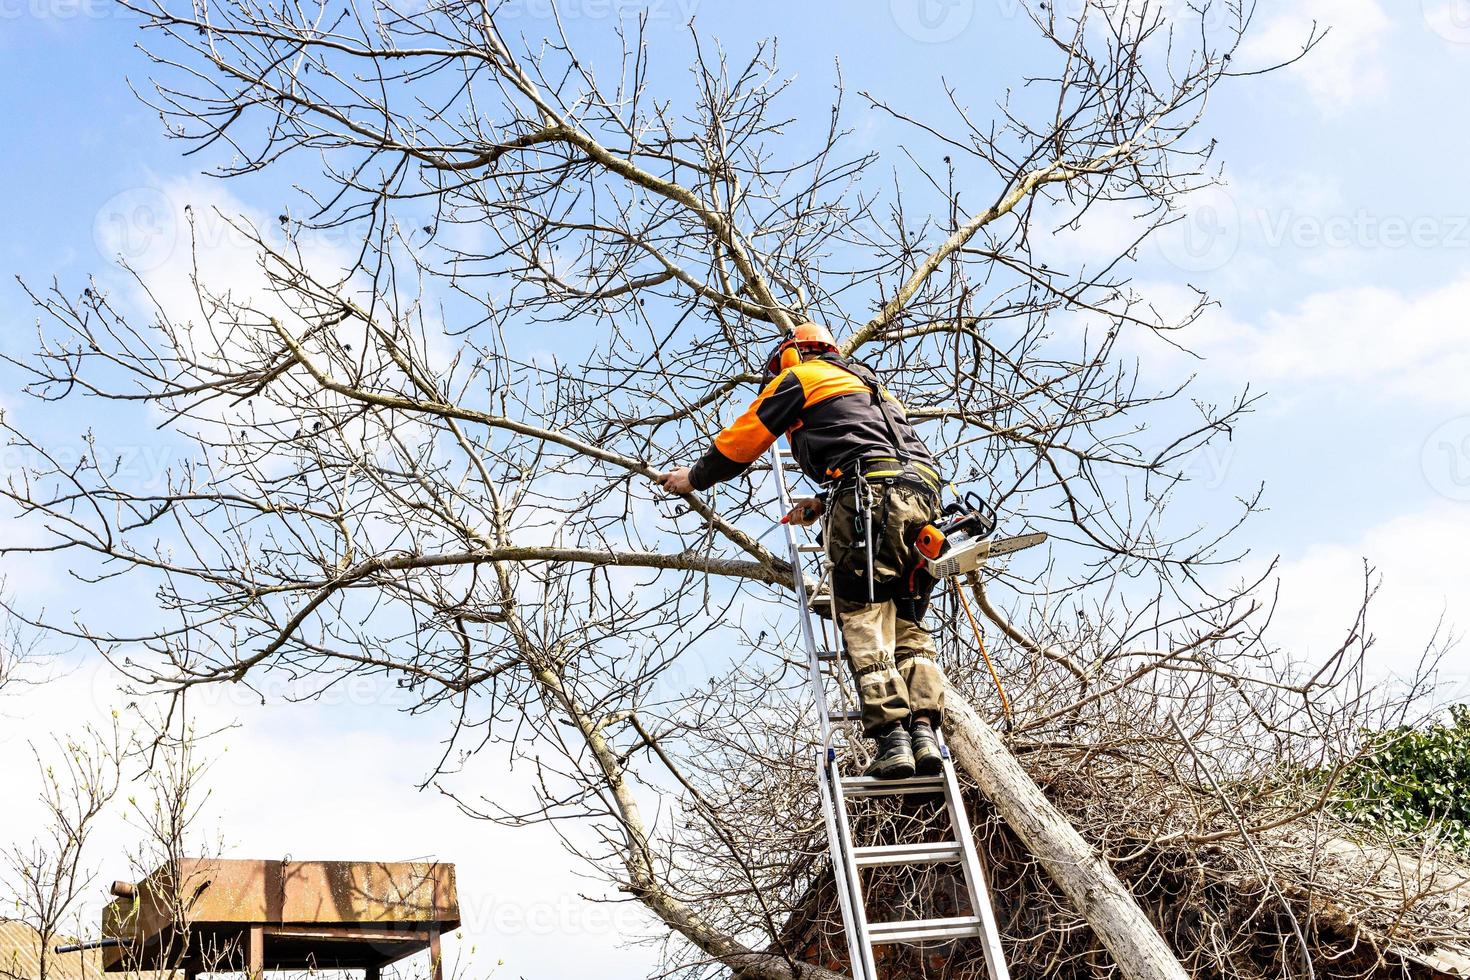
<point>392,474</point>
<point>47,876</point>
<point>20,653</point>
<point>164,816</point>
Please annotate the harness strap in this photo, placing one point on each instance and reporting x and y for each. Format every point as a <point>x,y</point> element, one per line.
<point>865,374</point>
<point>878,468</point>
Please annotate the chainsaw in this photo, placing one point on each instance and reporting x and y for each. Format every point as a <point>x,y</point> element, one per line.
<point>960,541</point>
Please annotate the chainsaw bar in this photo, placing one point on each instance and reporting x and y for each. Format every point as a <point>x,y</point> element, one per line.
<point>970,555</point>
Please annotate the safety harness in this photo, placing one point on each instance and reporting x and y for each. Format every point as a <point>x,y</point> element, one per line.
<point>901,466</point>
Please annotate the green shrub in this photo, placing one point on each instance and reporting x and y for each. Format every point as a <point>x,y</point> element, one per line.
<point>1414,780</point>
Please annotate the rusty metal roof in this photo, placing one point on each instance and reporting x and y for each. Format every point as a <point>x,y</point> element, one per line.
<point>20,948</point>
<point>199,912</point>
<point>319,892</point>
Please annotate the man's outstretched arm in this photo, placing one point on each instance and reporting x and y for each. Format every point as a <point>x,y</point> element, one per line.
<point>743,441</point>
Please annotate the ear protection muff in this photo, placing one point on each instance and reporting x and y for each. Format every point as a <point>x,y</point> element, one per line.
<point>786,354</point>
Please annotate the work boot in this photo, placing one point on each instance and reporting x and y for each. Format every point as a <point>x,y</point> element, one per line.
<point>927,759</point>
<point>894,757</point>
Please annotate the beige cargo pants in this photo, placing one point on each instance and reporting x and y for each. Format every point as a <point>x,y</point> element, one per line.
<point>891,655</point>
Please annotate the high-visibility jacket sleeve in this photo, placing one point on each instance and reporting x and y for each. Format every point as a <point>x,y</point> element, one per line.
<point>775,411</point>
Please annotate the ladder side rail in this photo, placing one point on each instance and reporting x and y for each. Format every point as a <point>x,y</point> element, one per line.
<point>864,968</point>
<point>974,870</point>
<point>841,866</point>
<point>798,580</point>
<point>839,834</point>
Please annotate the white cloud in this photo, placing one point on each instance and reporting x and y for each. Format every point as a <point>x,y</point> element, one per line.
<point>1380,341</point>
<point>1415,345</point>
<point>1346,68</point>
<point>1418,559</point>
<point>1108,229</point>
<point>177,232</point>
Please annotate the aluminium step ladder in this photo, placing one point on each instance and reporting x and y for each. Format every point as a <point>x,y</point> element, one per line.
<point>825,661</point>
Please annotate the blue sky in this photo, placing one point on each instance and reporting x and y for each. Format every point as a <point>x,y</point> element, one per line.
<point>1338,248</point>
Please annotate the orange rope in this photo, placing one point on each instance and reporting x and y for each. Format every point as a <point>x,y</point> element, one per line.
<point>1005,703</point>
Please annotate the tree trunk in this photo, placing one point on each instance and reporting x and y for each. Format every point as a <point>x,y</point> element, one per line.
<point>1086,879</point>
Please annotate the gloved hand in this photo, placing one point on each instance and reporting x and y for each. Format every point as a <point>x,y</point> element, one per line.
<point>805,512</point>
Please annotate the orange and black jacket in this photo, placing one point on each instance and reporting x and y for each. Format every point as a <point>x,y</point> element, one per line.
<point>828,410</point>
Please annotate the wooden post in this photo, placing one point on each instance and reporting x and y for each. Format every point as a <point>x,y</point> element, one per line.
<point>1085,878</point>
<point>255,953</point>
<point>436,958</point>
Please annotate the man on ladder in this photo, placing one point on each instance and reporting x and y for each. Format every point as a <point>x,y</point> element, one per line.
<point>881,488</point>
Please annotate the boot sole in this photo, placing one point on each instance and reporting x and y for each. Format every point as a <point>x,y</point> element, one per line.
<point>894,770</point>
<point>930,766</point>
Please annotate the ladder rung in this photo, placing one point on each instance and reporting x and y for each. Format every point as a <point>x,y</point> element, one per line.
<point>811,549</point>
<point>827,656</point>
<point>935,853</point>
<point>851,714</point>
<point>917,930</point>
<point>856,786</point>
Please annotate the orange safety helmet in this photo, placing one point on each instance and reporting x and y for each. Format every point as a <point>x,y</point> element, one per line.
<point>805,337</point>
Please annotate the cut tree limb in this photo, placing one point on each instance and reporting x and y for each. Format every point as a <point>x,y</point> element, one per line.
<point>1098,894</point>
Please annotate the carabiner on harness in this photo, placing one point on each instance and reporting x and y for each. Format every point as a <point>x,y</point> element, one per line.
<point>862,521</point>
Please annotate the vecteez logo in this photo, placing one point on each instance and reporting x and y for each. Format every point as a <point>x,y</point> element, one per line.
<point>140,226</point>
<point>1206,236</point>
<point>1450,19</point>
<point>932,21</point>
<point>1445,459</point>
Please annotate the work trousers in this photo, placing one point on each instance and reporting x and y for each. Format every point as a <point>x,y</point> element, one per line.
<point>891,655</point>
